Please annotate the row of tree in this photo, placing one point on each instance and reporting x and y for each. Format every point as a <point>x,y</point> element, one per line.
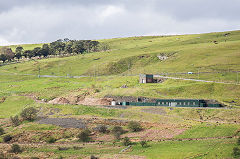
<point>59,47</point>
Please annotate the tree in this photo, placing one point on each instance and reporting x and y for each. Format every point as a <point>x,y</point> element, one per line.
<point>15,120</point>
<point>79,47</point>
<point>45,51</point>
<point>28,53</point>
<point>117,132</point>
<point>7,52</point>
<point>134,126</point>
<point>3,58</point>
<point>7,138</point>
<point>19,52</point>
<point>126,141</point>
<point>143,143</point>
<point>36,51</point>
<point>15,148</point>
<point>29,114</point>
<point>57,46</point>
<point>84,136</point>
<point>101,128</point>
<point>69,47</point>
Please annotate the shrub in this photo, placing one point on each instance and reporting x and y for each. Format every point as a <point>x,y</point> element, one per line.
<point>51,140</point>
<point>7,138</point>
<point>101,128</point>
<point>117,132</point>
<point>236,152</point>
<point>1,131</point>
<point>143,143</point>
<point>77,148</point>
<point>29,114</point>
<point>34,158</point>
<point>84,136</point>
<point>15,120</point>
<point>134,126</point>
<point>60,157</point>
<point>126,141</point>
<point>238,141</point>
<point>93,157</point>
<point>15,148</point>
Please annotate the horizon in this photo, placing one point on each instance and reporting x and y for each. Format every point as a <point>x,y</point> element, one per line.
<point>43,21</point>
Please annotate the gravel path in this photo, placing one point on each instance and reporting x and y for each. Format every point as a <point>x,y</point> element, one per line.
<point>64,122</point>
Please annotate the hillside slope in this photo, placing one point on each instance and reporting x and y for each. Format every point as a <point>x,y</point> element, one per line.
<point>213,52</point>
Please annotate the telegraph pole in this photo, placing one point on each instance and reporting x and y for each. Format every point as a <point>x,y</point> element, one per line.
<point>38,71</point>
<point>237,77</point>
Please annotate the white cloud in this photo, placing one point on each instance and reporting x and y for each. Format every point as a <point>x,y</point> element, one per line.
<point>44,21</point>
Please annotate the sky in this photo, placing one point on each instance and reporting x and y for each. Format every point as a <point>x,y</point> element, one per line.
<point>39,21</point>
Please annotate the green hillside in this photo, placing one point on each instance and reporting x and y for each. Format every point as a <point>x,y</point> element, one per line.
<point>134,55</point>
<point>170,132</point>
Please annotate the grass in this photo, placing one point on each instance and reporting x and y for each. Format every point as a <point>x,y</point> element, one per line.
<point>209,130</point>
<point>86,150</point>
<point>120,66</point>
<point>13,106</point>
<point>136,55</point>
<point>187,149</point>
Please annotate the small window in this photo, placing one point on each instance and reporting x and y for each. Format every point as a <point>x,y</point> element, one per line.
<point>184,103</point>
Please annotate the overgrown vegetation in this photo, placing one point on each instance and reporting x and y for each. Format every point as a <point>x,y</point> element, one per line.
<point>51,140</point>
<point>126,141</point>
<point>58,47</point>
<point>7,138</point>
<point>29,113</point>
<point>15,120</point>
<point>84,135</point>
<point>15,148</point>
<point>117,132</point>
<point>1,131</point>
<point>134,126</point>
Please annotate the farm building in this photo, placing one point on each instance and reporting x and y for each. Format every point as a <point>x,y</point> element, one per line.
<point>146,78</point>
<point>176,103</point>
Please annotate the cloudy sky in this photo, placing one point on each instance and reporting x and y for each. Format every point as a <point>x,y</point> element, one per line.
<point>36,21</point>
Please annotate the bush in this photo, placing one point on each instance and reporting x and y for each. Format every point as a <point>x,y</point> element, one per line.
<point>126,141</point>
<point>84,136</point>
<point>134,126</point>
<point>1,131</point>
<point>15,148</point>
<point>238,141</point>
<point>51,140</point>
<point>101,128</point>
<point>15,120</point>
<point>29,114</point>
<point>236,152</point>
<point>7,138</point>
<point>143,143</point>
<point>117,132</point>
<point>93,157</point>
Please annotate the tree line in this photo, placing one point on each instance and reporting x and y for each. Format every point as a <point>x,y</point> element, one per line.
<point>58,47</point>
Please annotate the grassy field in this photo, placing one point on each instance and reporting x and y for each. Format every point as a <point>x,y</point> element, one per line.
<point>106,73</point>
<point>136,55</point>
<point>208,149</point>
